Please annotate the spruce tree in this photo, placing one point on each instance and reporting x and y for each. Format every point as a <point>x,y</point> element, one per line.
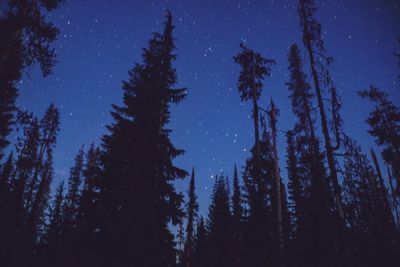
<point>139,197</point>
<point>89,209</point>
<point>191,211</point>
<point>368,211</point>
<point>254,67</point>
<point>219,224</point>
<point>202,251</point>
<point>319,64</point>
<point>26,36</point>
<point>308,185</point>
<point>384,123</point>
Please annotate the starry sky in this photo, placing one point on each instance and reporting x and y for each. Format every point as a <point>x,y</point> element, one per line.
<point>101,40</point>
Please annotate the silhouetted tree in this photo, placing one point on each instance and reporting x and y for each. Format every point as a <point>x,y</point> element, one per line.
<point>219,225</point>
<point>258,225</point>
<point>201,256</point>
<point>191,211</point>
<point>51,247</point>
<point>308,185</point>
<point>139,195</point>
<point>254,67</point>
<point>89,210</point>
<point>25,40</point>
<point>237,219</point>
<point>384,123</point>
<point>368,212</point>
<point>319,63</point>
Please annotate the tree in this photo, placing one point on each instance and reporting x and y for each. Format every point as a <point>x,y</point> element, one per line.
<point>26,38</point>
<point>201,256</point>
<point>52,249</point>
<point>89,209</point>
<point>278,210</point>
<point>254,67</point>
<point>368,211</point>
<point>139,196</point>
<point>308,185</point>
<point>384,123</point>
<point>219,224</point>
<point>192,209</point>
<point>319,64</point>
<point>237,219</point>
<point>258,224</point>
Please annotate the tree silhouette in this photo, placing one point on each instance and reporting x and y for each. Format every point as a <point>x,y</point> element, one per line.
<point>384,123</point>
<point>25,40</point>
<point>191,211</point>
<point>139,196</point>
<point>219,224</point>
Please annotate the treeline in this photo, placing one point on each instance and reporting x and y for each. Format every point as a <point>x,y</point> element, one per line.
<point>119,204</point>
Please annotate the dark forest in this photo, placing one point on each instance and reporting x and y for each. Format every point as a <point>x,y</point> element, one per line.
<point>318,199</point>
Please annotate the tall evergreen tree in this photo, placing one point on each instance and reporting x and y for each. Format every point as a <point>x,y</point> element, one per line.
<point>319,63</point>
<point>384,123</point>
<point>139,195</point>
<point>277,200</point>
<point>254,67</point>
<point>89,210</point>
<point>191,211</point>
<point>52,249</point>
<point>219,225</point>
<point>26,38</point>
<point>201,255</point>
<point>308,185</point>
<point>237,219</point>
<point>368,212</point>
<point>258,225</point>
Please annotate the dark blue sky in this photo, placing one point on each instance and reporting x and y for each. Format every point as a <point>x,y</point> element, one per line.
<point>100,40</point>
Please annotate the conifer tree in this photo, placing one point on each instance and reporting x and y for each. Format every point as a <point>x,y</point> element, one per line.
<point>277,200</point>
<point>308,185</point>
<point>192,209</point>
<point>254,67</point>
<point>219,224</point>
<point>384,123</point>
<point>139,196</point>
<point>26,38</point>
<point>201,255</point>
<point>237,219</point>
<point>367,209</point>
<point>89,210</point>
<point>258,224</point>
<point>319,63</point>
<point>52,249</point>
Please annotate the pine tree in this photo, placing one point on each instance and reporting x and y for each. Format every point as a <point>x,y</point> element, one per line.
<point>219,224</point>
<point>308,185</point>
<point>192,209</point>
<point>72,198</point>
<point>384,123</point>
<point>89,209</point>
<point>319,63</point>
<point>52,247</point>
<point>254,67</point>
<point>26,38</point>
<point>139,195</point>
<point>258,224</point>
<point>49,127</point>
<point>368,211</point>
<point>201,256</point>
<point>277,200</point>
<point>237,219</point>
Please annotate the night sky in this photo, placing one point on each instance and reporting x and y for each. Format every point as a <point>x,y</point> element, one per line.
<point>101,40</point>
